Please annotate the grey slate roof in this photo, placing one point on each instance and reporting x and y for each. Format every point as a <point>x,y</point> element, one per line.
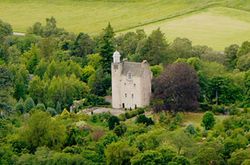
<point>134,68</point>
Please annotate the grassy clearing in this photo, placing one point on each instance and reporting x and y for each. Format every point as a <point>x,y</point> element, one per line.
<point>205,22</point>
<point>196,118</point>
<point>92,16</point>
<point>215,27</point>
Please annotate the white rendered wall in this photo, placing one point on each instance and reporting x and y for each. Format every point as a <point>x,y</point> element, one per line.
<point>116,76</point>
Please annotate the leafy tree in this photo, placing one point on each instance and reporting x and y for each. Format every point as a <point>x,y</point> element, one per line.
<point>112,122</point>
<point>181,160</point>
<point>99,82</point>
<point>6,89</point>
<point>120,129</point>
<point>221,89</point>
<point>208,120</point>
<point>181,140</point>
<point>247,85</point>
<point>83,45</point>
<point>148,157</point>
<point>37,89</point>
<point>107,47</point>
<point>181,48</point>
<point>29,104</point>
<point>157,70</point>
<point>5,29</point>
<point>239,156</point>
<point>41,107</point>
<point>94,60</point>
<point>145,120</point>
<point>64,90</point>
<point>119,153</point>
<point>244,49</point>
<point>43,131</point>
<point>154,49</point>
<point>207,155</point>
<point>231,56</point>
<point>19,107</point>
<point>41,68</point>
<point>33,59</point>
<point>178,86</point>
<point>243,62</point>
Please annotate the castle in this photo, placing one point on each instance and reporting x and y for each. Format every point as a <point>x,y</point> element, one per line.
<point>131,83</point>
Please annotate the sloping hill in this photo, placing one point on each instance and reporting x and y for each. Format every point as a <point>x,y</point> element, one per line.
<point>92,16</point>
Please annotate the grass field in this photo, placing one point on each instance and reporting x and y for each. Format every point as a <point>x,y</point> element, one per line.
<point>216,23</point>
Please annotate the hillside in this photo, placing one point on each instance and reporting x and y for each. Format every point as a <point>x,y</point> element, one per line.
<point>210,22</point>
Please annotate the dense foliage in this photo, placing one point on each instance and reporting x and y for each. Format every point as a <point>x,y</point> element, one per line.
<point>49,75</point>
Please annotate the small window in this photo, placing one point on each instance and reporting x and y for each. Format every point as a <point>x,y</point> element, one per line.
<point>134,85</point>
<point>129,76</point>
<point>132,95</point>
<point>124,83</point>
<point>125,94</point>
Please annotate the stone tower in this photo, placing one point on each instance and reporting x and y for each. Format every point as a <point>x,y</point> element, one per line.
<point>131,83</point>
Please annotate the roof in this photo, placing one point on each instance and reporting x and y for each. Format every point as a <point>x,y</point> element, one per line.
<point>135,68</point>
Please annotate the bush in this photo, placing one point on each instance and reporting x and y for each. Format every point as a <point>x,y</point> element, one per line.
<point>122,117</point>
<point>131,114</point>
<point>40,106</point>
<point>208,120</point>
<point>145,120</point>
<point>190,129</point>
<point>205,107</point>
<point>29,104</point>
<point>234,111</point>
<point>120,129</point>
<point>19,107</point>
<point>219,109</point>
<point>51,111</point>
<point>112,122</point>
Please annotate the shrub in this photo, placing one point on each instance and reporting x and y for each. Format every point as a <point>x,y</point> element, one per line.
<point>29,104</point>
<point>190,129</point>
<point>208,120</point>
<point>181,160</point>
<point>51,111</point>
<point>40,106</point>
<point>219,109</point>
<point>19,107</point>
<point>122,117</point>
<point>112,122</point>
<point>120,129</point>
<point>145,120</point>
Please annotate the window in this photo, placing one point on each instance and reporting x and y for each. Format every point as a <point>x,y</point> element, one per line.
<point>134,85</point>
<point>132,95</point>
<point>129,76</point>
<point>125,94</point>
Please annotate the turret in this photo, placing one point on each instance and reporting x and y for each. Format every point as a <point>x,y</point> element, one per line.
<point>116,57</point>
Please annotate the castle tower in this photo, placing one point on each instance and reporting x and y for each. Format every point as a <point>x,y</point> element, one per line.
<point>116,80</point>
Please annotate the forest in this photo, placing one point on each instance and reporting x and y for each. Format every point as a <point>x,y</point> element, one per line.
<point>49,70</point>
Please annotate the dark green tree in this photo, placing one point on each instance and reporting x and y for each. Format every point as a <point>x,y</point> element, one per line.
<point>107,47</point>
<point>244,49</point>
<point>29,104</point>
<point>5,29</point>
<point>83,45</point>
<point>208,120</point>
<point>231,56</point>
<point>154,49</point>
<point>112,122</point>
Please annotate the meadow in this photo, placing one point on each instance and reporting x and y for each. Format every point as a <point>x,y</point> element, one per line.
<point>209,22</point>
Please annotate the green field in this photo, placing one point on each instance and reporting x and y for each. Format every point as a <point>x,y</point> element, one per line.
<point>216,23</point>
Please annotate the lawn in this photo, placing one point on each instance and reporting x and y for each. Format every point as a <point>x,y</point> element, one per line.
<point>203,21</point>
<point>196,118</point>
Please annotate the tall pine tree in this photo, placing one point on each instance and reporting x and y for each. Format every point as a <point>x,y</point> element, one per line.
<point>107,47</point>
